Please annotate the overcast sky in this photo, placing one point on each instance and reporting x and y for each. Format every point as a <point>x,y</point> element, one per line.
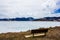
<point>28,8</point>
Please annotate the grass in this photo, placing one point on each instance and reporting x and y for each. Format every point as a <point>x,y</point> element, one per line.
<point>52,34</point>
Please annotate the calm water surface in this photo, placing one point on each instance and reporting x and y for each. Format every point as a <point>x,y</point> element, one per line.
<point>17,26</point>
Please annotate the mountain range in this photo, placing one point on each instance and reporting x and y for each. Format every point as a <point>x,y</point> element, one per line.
<point>48,19</point>
<point>17,19</point>
<point>32,19</point>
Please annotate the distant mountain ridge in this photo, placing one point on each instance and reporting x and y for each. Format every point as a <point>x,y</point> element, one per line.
<point>32,19</point>
<point>48,19</point>
<point>17,19</point>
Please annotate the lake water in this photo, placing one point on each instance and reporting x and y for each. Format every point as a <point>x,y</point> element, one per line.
<point>17,26</point>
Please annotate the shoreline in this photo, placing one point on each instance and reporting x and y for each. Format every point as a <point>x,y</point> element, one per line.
<point>52,34</point>
<point>27,30</point>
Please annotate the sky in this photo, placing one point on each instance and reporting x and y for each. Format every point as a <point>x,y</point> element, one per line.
<point>29,8</point>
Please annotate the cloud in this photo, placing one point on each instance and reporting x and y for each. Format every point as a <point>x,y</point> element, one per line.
<point>27,8</point>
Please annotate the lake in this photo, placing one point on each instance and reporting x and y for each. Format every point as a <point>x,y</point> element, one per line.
<point>18,26</point>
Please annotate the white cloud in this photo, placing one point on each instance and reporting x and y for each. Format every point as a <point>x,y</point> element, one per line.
<point>26,8</point>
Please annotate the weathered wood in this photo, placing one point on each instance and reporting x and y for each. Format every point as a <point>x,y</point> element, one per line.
<point>39,31</point>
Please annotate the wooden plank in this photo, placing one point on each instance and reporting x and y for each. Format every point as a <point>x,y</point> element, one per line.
<point>27,36</point>
<point>39,31</point>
